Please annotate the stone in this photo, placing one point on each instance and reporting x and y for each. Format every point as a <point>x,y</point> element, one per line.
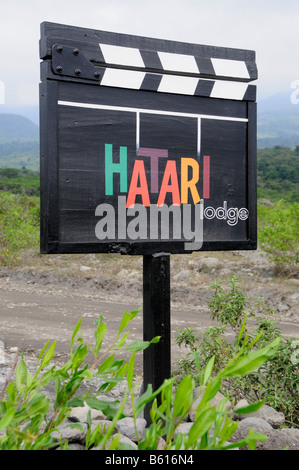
<point>198,392</point>
<point>85,268</point>
<point>79,414</point>
<point>280,439</point>
<point>269,414</point>
<point>208,263</point>
<point>70,434</point>
<point>257,424</point>
<point>182,275</point>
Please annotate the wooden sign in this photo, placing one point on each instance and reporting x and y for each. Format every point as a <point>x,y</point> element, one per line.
<point>147,146</point>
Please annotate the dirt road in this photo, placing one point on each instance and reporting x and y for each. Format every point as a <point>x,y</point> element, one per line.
<point>34,310</point>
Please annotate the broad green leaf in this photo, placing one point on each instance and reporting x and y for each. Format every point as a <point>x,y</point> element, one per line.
<point>130,374</point>
<point>183,398</point>
<point>250,408</point>
<point>127,317</point>
<point>76,329</point>
<point>106,364</point>
<point>21,373</point>
<point>7,419</point>
<point>202,425</point>
<point>97,404</point>
<point>139,345</point>
<point>122,341</point>
<point>99,335</point>
<point>208,370</point>
<point>48,355</point>
<point>251,362</point>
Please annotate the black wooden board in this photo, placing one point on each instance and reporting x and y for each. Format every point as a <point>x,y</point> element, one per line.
<point>164,137</point>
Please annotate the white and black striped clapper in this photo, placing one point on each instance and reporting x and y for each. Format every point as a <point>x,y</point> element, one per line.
<point>140,63</point>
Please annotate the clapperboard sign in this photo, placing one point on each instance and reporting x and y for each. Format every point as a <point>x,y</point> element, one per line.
<point>147,146</point>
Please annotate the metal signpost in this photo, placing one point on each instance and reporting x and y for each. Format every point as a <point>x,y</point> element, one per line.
<point>148,147</point>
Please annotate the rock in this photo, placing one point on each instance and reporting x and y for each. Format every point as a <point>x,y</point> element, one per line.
<point>70,434</point>
<point>84,268</point>
<point>182,275</point>
<point>126,427</point>
<point>2,354</point>
<point>183,428</point>
<point>257,424</point>
<point>79,414</point>
<point>208,263</point>
<point>280,439</point>
<point>199,391</point>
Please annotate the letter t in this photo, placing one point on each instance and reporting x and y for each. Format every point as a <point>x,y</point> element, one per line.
<point>154,154</point>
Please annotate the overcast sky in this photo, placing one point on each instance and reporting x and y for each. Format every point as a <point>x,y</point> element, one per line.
<point>270,27</point>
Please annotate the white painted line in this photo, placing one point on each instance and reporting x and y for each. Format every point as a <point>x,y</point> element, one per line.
<point>178,85</point>
<point>230,68</point>
<point>178,62</point>
<point>148,111</point>
<point>122,55</point>
<point>229,90</point>
<point>123,78</point>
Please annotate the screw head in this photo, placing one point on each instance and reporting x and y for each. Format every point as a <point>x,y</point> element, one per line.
<point>59,49</point>
<point>59,68</point>
<point>78,71</point>
<point>76,51</point>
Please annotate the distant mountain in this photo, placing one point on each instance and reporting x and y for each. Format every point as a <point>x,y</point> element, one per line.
<point>277,124</point>
<point>19,142</point>
<point>14,127</point>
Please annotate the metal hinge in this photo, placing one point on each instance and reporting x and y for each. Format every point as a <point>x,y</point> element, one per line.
<point>69,61</point>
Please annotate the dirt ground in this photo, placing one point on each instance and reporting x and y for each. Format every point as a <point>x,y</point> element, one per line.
<point>45,295</point>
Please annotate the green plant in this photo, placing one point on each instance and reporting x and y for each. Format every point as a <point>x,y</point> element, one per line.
<point>19,225</point>
<point>275,382</point>
<point>213,426</point>
<point>278,228</point>
<point>25,412</point>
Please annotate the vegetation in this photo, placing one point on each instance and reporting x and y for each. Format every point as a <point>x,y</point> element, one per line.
<point>19,225</point>
<point>27,421</point>
<point>275,382</point>
<point>278,232</point>
<point>278,173</point>
<point>20,181</point>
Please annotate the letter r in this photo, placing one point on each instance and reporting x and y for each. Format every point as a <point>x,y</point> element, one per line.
<point>111,168</point>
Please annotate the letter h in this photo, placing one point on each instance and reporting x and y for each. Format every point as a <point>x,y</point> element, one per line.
<point>111,168</point>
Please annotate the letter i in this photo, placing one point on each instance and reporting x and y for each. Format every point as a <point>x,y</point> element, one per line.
<point>206,177</point>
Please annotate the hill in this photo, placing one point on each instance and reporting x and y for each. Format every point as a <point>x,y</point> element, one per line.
<point>19,142</point>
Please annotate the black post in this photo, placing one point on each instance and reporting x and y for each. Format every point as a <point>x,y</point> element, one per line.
<point>156,321</point>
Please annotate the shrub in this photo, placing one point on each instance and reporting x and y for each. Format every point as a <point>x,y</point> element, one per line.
<point>19,225</point>
<point>27,420</point>
<point>278,228</point>
<point>275,382</point>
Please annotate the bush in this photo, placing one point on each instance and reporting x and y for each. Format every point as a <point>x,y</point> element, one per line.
<point>19,225</point>
<point>27,420</point>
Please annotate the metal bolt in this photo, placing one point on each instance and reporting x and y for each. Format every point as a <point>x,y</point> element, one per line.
<point>59,68</point>
<point>76,51</point>
<point>97,74</point>
<point>59,49</point>
<point>78,71</point>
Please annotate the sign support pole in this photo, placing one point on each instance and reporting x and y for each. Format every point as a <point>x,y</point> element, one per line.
<point>156,322</point>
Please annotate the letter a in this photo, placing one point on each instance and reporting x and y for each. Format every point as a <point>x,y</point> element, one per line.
<point>170,173</point>
<point>138,173</point>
